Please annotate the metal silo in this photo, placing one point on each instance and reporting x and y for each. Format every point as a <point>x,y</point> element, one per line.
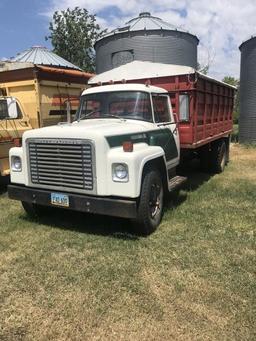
<point>247,120</point>
<point>146,38</point>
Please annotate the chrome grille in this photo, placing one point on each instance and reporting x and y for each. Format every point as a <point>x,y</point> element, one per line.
<point>63,163</point>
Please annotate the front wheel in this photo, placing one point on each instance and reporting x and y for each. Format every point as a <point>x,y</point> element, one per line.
<point>150,206</point>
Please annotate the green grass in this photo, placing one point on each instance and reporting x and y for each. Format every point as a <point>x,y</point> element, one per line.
<point>235,133</point>
<point>78,277</point>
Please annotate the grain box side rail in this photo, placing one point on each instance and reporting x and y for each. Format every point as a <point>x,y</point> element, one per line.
<point>204,107</point>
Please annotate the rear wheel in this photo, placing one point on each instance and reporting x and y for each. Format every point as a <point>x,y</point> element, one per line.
<point>218,158</point>
<point>214,158</point>
<point>33,210</point>
<point>204,160</point>
<point>150,206</point>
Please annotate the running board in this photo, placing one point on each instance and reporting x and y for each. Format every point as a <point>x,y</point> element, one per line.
<point>175,182</point>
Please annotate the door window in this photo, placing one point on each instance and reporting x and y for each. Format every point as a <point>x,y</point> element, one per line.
<point>184,107</point>
<point>3,109</point>
<point>161,109</point>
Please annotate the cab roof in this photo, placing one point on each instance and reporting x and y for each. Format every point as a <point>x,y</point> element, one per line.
<point>124,87</point>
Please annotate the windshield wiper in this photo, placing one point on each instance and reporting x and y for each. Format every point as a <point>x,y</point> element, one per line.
<point>112,116</point>
<point>84,116</point>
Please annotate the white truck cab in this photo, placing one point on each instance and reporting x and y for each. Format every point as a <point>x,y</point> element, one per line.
<point>117,157</point>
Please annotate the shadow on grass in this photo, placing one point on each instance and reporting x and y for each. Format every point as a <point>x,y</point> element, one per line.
<point>195,176</point>
<point>86,223</point>
<point>195,179</point>
<point>113,226</point>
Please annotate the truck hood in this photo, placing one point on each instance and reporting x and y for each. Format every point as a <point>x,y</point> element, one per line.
<point>90,129</point>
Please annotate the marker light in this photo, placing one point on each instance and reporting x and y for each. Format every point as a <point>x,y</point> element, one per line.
<point>17,142</point>
<point>128,146</point>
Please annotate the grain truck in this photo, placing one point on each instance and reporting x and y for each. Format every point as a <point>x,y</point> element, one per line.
<point>120,155</point>
<point>34,96</point>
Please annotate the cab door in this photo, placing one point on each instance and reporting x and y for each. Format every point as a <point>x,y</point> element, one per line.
<point>168,135</point>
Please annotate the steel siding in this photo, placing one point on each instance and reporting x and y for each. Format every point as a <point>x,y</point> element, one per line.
<point>247,121</point>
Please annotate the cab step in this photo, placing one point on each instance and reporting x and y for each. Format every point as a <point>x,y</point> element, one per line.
<point>176,182</point>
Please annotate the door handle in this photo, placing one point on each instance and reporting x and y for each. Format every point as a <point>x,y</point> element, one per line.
<point>175,131</point>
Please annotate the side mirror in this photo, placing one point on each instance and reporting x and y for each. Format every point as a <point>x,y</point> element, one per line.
<point>12,108</point>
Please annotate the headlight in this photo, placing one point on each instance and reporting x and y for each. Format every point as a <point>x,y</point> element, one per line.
<point>120,172</point>
<point>16,164</point>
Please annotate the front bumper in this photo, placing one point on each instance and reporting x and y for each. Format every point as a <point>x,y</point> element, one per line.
<point>84,203</point>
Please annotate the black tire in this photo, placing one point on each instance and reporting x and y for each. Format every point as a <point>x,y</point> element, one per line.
<point>150,205</point>
<point>34,210</point>
<point>218,157</point>
<point>227,151</point>
<point>204,160</point>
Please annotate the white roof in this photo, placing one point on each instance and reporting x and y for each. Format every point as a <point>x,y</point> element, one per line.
<point>141,70</point>
<point>123,87</point>
<point>144,70</point>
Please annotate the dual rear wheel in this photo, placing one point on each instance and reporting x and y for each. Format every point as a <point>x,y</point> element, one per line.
<point>215,159</point>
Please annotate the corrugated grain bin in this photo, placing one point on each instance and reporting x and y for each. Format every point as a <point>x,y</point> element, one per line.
<point>247,120</point>
<point>146,38</point>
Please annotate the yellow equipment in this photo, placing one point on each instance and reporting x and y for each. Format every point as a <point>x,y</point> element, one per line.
<point>34,96</point>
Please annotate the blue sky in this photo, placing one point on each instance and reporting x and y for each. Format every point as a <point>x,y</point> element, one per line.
<point>22,26</point>
<point>221,25</point>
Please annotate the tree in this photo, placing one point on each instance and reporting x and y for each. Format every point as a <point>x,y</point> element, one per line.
<point>73,34</point>
<point>203,68</point>
<point>235,82</point>
<point>231,80</point>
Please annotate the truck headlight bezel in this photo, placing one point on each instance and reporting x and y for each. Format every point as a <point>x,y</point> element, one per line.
<point>120,172</point>
<point>16,163</point>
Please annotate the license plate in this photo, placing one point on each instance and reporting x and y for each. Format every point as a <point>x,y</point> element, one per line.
<point>59,199</point>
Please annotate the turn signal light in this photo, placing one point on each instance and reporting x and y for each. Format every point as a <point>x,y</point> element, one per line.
<point>128,146</point>
<point>17,142</point>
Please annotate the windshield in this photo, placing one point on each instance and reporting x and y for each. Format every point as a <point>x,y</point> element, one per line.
<point>121,104</point>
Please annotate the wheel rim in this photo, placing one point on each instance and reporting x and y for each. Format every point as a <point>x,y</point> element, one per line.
<point>155,200</point>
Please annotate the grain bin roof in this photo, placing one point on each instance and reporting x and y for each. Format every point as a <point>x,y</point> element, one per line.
<point>145,21</point>
<point>42,56</point>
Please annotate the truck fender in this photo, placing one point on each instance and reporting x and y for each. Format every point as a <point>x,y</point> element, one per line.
<point>153,161</point>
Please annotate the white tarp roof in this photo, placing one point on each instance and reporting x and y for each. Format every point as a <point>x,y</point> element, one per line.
<point>141,70</point>
<point>144,70</point>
